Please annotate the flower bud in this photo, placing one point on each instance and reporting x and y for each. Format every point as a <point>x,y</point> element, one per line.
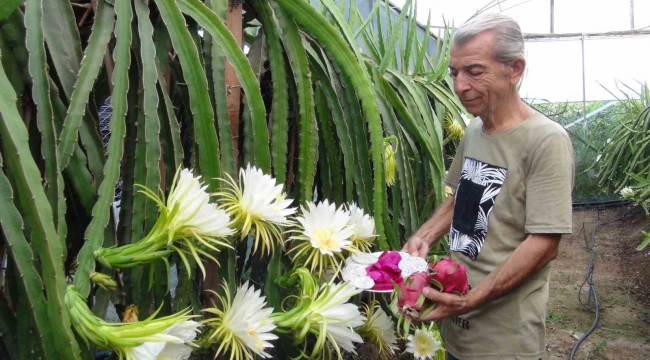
<point>103,281</point>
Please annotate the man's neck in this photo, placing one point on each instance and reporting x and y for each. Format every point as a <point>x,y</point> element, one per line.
<point>507,114</point>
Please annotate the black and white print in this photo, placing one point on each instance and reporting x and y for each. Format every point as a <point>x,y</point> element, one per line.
<point>478,187</point>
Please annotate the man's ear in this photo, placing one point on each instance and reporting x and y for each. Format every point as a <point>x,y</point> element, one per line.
<point>517,67</point>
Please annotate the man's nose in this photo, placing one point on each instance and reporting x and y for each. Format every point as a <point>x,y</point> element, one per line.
<point>461,84</point>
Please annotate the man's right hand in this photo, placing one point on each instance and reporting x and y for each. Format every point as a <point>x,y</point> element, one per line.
<point>416,246</point>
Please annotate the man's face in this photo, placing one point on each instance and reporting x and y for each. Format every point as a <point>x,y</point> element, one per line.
<point>480,81</point>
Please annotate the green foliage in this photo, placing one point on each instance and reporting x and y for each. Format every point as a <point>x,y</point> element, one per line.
<point>626,154</point>
<point>555,317</point>
<point>316,111</point>
<point>645,242</point>
<point>587,139</point>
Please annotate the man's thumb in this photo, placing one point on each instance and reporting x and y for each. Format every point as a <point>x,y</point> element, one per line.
<point>429,293</point>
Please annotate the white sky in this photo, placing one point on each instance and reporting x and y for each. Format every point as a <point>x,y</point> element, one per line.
<point>555,67</point>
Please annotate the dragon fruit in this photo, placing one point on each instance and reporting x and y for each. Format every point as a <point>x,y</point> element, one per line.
<point>411,301</point>
<point>386,270</point>
<point>449,276</point>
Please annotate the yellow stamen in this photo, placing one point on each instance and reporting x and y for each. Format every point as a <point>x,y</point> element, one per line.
<point>323,237</point>
<point>252,333</point>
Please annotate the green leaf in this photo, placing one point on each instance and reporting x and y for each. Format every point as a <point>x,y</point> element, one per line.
<point>23,259</point>
<point>150,107</point>
<point>340,125</point>
<point>90,65</point>
<point>396,33</point>
<point>419,62</point>
<point>371,15</point>
<point>8,7</point>
<point>8,321</point>
<point>45,114</point>
<point>94,235</point>
<point>227,143</point>
<point>211,23</point>
<point>38,213</point>
<point>280,105</point>
<point>64,44</point>
<point>307,17</point>
<point>331,148</point>
<point>645,242</point>
<point>307,129</point>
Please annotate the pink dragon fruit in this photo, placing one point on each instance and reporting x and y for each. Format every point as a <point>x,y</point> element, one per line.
<point>411,302</point>
<point>449,276</point>
<point>385,270</point>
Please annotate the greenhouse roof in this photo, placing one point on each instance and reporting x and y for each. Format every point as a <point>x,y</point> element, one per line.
<point>616,45</point>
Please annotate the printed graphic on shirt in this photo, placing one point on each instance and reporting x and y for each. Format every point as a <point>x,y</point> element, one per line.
<point>477,192</point>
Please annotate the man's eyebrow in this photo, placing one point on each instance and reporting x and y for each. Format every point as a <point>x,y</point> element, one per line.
<point>474,66</point>
<point>469,67</point>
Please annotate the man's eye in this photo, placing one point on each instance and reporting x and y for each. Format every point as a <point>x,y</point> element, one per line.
<point>475,73</point>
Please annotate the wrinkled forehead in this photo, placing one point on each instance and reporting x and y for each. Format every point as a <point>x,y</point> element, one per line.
<point>479,48</point>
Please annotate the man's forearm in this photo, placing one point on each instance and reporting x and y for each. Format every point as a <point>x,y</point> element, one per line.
<point>531,256</point>
<point>438,224</point>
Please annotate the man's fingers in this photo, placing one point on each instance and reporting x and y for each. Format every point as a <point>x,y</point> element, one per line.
<point>432,316</point>
<point>423,251</point>
<point>439,297</point>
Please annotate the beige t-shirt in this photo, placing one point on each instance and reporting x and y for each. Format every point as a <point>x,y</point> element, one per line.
<point>507,186</point>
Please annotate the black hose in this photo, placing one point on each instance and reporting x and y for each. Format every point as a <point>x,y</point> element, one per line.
<point>603,204</point>
<point>589,280</point>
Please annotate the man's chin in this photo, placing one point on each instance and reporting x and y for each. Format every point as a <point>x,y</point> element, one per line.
<point>472,110</point>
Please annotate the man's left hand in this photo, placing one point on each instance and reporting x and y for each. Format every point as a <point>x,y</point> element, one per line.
<point>448,305</point>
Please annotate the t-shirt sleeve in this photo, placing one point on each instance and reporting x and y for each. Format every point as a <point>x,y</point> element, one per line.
<point>549,185</point>
<point>456,167</point>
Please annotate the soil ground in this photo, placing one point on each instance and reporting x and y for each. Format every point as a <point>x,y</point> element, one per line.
<point>620,279</point>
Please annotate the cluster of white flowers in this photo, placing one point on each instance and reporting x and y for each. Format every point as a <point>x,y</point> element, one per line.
<point>242,325</point>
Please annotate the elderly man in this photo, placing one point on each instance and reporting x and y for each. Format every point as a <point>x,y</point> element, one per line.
<point>512,179</point>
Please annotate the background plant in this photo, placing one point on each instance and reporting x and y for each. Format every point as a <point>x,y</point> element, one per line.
<point>314,113</point>
<point>624,158</point>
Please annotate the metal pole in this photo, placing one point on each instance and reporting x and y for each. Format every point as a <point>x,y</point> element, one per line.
<point>584,96</point>
<point>553,16</point>
<point>632,14</point>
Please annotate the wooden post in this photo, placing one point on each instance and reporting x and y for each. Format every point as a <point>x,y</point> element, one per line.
<point>234,24</point>
<point>215,275</point>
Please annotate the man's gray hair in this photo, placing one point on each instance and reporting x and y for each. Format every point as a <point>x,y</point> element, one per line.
<point>509,39</point>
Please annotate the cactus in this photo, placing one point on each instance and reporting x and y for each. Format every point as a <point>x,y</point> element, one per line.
<point>280,106</point>
<point>30,282</point>
<point>34,203</point>
<point>314,117</point>
<point>94,235</point>
<point>90,65</point>
<point>307,135</point>
<point>204,130</point>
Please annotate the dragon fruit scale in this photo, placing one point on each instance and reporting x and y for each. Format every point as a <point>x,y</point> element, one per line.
<point>449,276</point>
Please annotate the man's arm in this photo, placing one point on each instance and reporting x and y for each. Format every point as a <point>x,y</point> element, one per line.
<point>531,256</point>
<point>432,230</point>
